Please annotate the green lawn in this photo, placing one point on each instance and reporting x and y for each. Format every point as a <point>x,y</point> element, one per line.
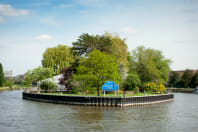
<point>102,95</point>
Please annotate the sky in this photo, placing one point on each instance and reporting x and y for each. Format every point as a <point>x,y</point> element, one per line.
<point>29,27</point>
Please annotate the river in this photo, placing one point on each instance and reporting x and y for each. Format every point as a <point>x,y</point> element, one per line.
<point>18,115</point>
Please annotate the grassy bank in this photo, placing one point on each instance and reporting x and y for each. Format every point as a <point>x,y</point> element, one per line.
<point>102,95</point>
<point>13,88</point>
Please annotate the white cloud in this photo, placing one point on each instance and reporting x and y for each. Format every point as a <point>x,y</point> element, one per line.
<point>128,30</point>
<point>1,19</point>
<point>8,10</point>
<point>43,37</point>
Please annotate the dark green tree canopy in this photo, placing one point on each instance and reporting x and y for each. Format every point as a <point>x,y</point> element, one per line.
<point>186,78</point>
<point>87,43</point>
<point>133,81</point>
<point>194,81</point>
<point>1,75</point>
<point>58,58</point>
<point>174,79</point>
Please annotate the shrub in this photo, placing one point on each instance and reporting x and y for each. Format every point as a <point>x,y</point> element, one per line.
<point>153,87</point>
<point>47,85</point>
<point>150,86</point>
<point>136,90</point>
<point>162,88</point>
<point>132,82</point>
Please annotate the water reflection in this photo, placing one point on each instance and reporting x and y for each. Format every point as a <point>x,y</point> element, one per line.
<point>23,115</point>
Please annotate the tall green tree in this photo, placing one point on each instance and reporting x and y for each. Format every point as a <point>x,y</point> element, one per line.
<point>119,49</point>
<point>98,68</point>
<point>38,74</point>
<point>58,58</point>
<point>174,79</point>
<point>1,75</point>
<point>107,43</point>
<point>86,43</point>
<point>186,78</point>
<point>194,81</point>
<point>150,65</point>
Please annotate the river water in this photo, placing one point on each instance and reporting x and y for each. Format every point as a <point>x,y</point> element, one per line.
<point>18,115</point>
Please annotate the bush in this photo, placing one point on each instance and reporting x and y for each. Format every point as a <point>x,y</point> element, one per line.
<point>150,86</point>
<point>153,87</point>
<point>47,85</point>
<point>162,88</point>
<point>132,82</point>
<point>136,90</point>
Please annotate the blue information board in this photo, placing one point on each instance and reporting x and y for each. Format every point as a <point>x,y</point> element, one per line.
<point>110,86</point>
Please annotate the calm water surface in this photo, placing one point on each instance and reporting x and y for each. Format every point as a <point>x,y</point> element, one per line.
<point>18,115</point>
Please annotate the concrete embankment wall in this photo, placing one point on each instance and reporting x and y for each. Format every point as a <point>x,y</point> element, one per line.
<point>99,101</point>
<point>182,90</point>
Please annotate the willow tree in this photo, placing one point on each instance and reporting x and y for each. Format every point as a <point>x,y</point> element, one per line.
<point>58,58</point>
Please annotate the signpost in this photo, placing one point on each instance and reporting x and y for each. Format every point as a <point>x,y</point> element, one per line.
<point>110,86</point>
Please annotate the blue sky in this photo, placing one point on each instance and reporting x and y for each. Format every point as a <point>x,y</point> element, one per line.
<point>28,27</point>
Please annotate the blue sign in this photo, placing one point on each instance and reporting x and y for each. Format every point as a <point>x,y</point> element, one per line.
<point>110,86</point>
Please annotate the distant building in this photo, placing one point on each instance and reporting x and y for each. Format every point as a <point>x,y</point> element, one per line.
<point>8,73</point>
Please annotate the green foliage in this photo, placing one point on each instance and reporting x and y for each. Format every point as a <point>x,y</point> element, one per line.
<point>58,58</point>
<point>150,86</point>
<point>37,74</point>
<point>1,75</point>
<point>136,90</point>
<point>194,81</point>
<point>9,82</point>
<point>107,43</point>
<point>132,81</point>
<point>98,68</point>
<point>186,79</point>
<point>154,88</point>
<point>87,43</point>
<point>174,79</point>
<point>119,49</point>
<point>47,85</point>
<point>150,65</point>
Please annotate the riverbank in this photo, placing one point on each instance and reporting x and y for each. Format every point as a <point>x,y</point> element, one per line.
<point>182,90</point>
<point>99,101</point>
<point>12,88</point>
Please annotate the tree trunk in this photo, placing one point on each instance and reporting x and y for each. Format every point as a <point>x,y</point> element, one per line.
<point>98,90</point>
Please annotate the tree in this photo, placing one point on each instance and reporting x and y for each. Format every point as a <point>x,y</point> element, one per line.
<point>47,85</point>
<point>67,74</point>
<point>87,43</point>
<point>186,78</point>
<point>107,43</point>
<point>174,79</point>
<point>38,74</point>
<point>194,81</point>
<point>150,65</point>
<point>132,81</point>
<point>58,58</point>
<point>98,68</point>
<point>1,75</point>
